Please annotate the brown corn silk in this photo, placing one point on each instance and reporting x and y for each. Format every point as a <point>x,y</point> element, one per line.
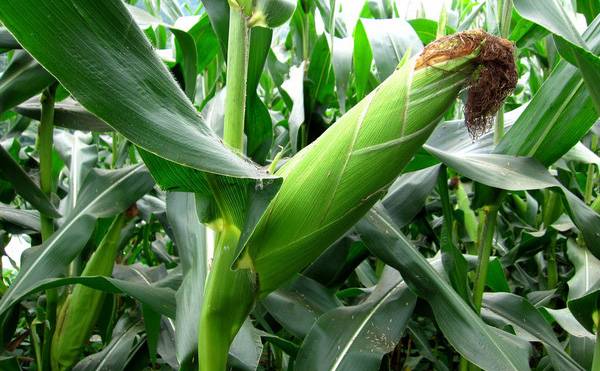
<point>493,81</point>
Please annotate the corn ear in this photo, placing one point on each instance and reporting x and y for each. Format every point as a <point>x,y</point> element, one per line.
<point>80,311</point>
<point>332,183</point>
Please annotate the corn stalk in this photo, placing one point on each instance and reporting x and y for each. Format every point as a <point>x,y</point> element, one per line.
<point>45,143</point>
<point>229,296</point>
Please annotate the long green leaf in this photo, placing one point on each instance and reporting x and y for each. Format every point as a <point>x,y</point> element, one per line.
<point>584,286</point>
<point>190,240</point>
<point>558,116</point>
<point>22,218</point>
<point>159,299</point>
<point>23,79</point>
<point>23,185</point>
<point>551,15</point>
<point>341,337</point>
<point>185,42</point>
<point>126,338</point>
<point>516,311</point>
<point>67,113</point>
<point>485,346</point>
<point>103,194</point>
<point>102,57</point>
<point>298,306</point>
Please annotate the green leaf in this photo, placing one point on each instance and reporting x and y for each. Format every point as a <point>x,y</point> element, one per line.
<point>218,13</point>
<point>588,64</point>
<point>22,218</point>
<point>357,337</point>
<point>325,11</point>
<point>111,69</point>
<point>485,346</point>
<point>500,171</point>
<point>569,323</point>
<point>426,29</point>
<point>552,16</point>
<point>189,237</point>
<point>7,41</point>
<point>186,46</point>
<point>343,50</point>
<point>103,194</point>
<point>67,113</point>
<point>158,299</point>
<point>21,80</point>
<point>294,87</point>
<point>320,74</point>
<point>207,45</point>
<point>407,195</point>
<point>246,348</point>
<point>297,306</point>
<point>581,341</point>
<point>23,185</point>
<point>127,337</point>
<point>80,157</point>
<point>389,39</point>
<point>558,116</point>
<point>518,173</point>
<point>258,126</point>
<point>511,309</point>
<point>584,286</point>
<point>570,44</point>
<point>589,8</point>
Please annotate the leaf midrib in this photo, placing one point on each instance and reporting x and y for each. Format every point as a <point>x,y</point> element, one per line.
<point>6,300</point>
<point>449,289</point>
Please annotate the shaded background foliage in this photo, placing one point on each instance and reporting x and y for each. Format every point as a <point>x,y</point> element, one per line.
<point>397,291</point>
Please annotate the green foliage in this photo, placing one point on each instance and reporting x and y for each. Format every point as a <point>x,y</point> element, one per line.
<point>347,220</point>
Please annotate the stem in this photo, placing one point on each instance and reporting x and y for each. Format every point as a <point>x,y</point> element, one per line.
<point>228,295</point>
<point>228,298</point>
<point>596,360</point>
<point>332,4</point>
<point>45,141</point>
<point>446,206</point>
<point>115,149</point>
<point>589,183</point>
<point>499,126</point>
<point>552,210</point>
<point>490,213</point>
<point>446,235</point>
<point>305,36</point>
<point>552,267</point>
<point>441,28</point>
<point>504,18</point>
<point>237,75</point>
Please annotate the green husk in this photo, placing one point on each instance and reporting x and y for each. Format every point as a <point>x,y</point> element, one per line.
<point>80,311</point>
<point>332,183</point>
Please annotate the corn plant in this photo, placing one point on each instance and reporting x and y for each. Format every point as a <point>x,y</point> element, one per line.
<point>299,185</point>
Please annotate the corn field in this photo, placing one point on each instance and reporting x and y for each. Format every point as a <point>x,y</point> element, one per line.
<point>299,185</point>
